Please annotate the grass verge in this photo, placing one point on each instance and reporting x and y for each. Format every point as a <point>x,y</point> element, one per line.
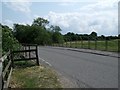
<point>27,75</point>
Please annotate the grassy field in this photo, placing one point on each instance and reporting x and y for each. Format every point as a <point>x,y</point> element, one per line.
<point>112,45</point>
<point>27,75</point>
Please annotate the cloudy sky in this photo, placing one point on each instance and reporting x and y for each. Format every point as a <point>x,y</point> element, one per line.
<point>78,16</point>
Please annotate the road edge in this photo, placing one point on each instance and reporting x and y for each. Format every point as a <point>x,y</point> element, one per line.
<point>103,53</point>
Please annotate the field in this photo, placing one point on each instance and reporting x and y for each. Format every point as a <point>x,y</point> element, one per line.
<point>111,45</point>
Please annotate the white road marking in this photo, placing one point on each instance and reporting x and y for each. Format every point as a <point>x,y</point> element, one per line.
<point>46,62</point>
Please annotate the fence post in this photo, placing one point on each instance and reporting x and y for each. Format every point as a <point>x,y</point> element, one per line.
<point>66,44</point>
<point>2,82</point>
<point>37,55</point>
<point>1,77</point>
<point>106,44</point>
<point>76,44</point>
<point>70,44</point>
<point>88,43</point>
<point>81,43</point>
<point>29,52</point>
<point>25,52</point>
<point>95,44</point>
<point>11,57</point>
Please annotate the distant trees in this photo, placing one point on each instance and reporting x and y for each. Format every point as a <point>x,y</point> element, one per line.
<point>70,36</point>
<point>37,33</point>
<point>119,36</point>
<point>40,22</point>
<point>57,37</point>
<point>93,36</point>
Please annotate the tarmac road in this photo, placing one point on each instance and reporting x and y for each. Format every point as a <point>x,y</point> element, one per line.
<point>85,69</point>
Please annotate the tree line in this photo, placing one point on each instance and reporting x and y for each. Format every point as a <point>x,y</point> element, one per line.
<point>40,32</point>
<point>70,36</point>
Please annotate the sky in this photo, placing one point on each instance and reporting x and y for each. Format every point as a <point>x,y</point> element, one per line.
<point>78,16</point>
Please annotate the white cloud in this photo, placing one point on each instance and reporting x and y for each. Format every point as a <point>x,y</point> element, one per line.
<point>101,6</point>
<point>19,5</point>
<point>101,17</point>
<point>8,23</point>
<point>59,0</point>
<point>67,3</point>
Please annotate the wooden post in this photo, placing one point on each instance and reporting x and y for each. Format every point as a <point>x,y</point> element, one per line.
<point>11,58</point>
<point>37,55</point>
<point>1,77</point>
<point>2,82</point>
<point>25,52</point>
<point>29,52</point>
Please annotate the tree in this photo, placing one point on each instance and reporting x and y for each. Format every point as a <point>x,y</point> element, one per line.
<point>119,36</point>
<point>56,35</point>
<point>55,28</point>
<point>93,36</point>
<point>102,37</point>
<point>40,22</point>
<point>38,33</point>
<point>8,40</point>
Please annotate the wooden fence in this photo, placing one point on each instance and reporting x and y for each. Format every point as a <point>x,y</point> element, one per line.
<point>26,52</point>
<point>6,69</point>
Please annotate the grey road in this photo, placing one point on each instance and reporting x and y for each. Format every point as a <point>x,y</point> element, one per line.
<point>89,70</point>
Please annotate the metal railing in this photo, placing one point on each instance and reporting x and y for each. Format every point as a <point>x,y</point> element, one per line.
<point>104,45</point>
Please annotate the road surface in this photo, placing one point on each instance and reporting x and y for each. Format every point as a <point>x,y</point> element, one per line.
<point>87,70</point>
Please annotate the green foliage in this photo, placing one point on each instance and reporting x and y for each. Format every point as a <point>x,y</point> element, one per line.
<point>93,36</point>
<point>56,35</point>
<point>40,32</point>
<point>70,36</point>
<point>8,40</point>
<point>37,33</point>
<point>40,22</point>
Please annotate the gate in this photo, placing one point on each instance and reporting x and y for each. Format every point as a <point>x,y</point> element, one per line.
<point>25,53</point>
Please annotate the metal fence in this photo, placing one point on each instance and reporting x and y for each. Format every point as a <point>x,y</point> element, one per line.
<point>105,45</point>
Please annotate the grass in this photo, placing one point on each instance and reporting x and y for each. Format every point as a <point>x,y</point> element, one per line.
<point>100,45</point>
<point>27,75</point>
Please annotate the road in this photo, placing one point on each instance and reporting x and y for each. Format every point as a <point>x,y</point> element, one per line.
<point>89,70</point>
